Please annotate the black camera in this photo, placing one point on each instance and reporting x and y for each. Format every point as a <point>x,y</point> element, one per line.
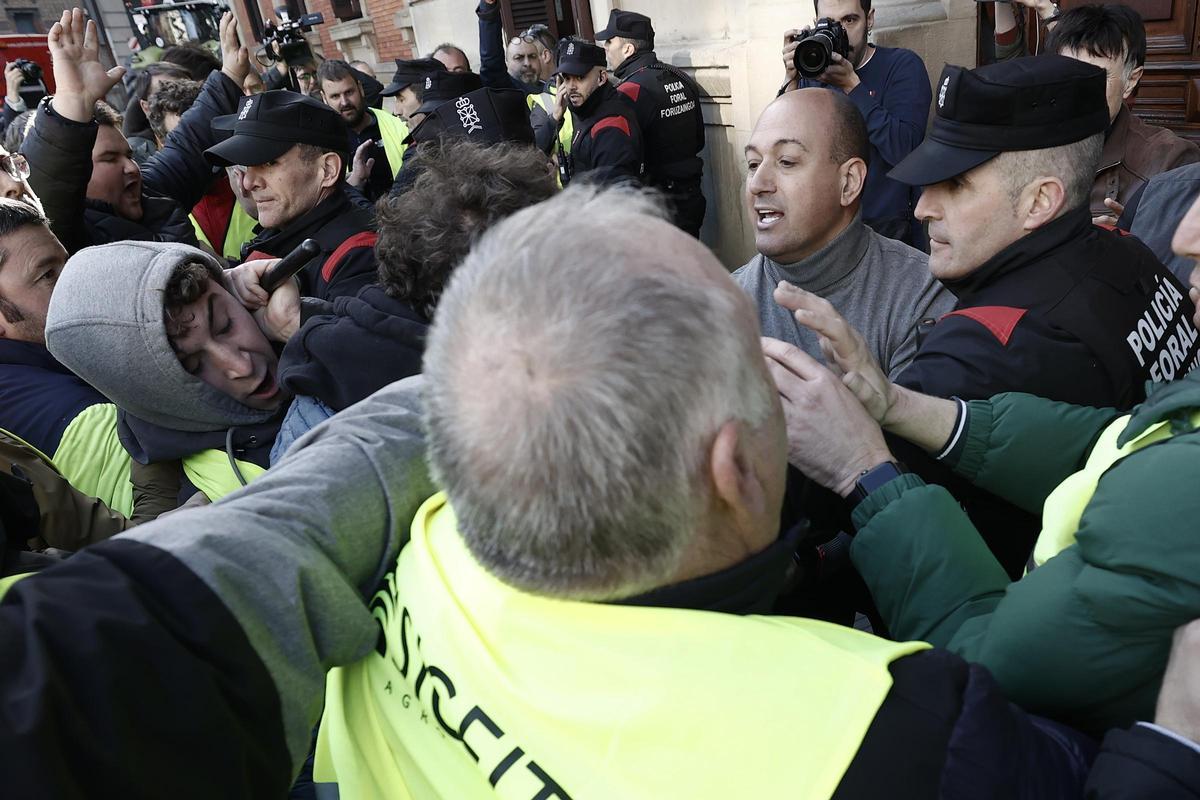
<point>815,51</point>
<point>31,71</point>
<point>285,41</point>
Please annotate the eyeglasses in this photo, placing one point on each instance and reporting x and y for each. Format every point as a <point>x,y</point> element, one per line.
<point>538,34</point>
<point>16,166</point>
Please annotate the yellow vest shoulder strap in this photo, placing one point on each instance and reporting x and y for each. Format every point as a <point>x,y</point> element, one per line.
<point>210,472</point>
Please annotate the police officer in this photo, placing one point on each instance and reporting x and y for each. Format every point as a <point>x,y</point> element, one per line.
<point>607,144</point>
<point>1047,302</point>
<point>441,87</point>
<point>294,151</point>
<point>667,104</point>
<point>408,85</point>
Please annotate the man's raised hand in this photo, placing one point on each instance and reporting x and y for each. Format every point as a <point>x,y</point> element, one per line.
<point>843,347</point>
<point>80,79</point>
<point>235,59</point>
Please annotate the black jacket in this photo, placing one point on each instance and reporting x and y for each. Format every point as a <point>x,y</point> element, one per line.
<point>667,105</point>
<point>59,151</point>
<point>362,344</point>
<point>1071,312</point>
<point>180,170</point>
<point>607,144</point>
<point>1142,763</point>
<point>346,235</point>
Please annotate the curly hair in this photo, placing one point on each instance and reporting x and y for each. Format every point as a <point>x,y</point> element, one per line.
<point>185,286</point>
<point>172,97</point>
<point>462,189</point>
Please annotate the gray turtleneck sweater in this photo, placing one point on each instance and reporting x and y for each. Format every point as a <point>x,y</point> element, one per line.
<point>881,286</point>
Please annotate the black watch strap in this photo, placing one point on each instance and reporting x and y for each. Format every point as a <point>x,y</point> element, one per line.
<point>872,479</point>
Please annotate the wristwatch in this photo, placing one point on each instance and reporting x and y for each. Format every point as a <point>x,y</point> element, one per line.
<point>871,479</point>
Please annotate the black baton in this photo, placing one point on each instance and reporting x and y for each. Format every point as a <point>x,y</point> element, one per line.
<point>289,265</point>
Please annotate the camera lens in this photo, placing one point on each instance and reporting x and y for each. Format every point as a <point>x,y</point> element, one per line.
<point>813,56</point>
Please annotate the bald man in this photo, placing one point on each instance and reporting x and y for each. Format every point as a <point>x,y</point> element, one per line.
<point>806,166</point>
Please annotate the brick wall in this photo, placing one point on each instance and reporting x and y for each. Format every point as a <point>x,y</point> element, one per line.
<point>45,13</point>
<point>391,42</point>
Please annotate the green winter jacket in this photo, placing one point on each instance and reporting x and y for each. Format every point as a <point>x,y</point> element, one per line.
<point>1084,638</point>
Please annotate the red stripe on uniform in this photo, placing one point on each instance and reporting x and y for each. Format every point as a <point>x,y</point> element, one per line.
<point>611,122</point>
<point>631,90</point>
<point>364,239</point>
<point>1001,321</point>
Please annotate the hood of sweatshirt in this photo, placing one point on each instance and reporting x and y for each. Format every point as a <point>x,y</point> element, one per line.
<point>106,323</point>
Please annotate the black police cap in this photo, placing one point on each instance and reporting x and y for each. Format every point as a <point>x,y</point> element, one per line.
<point>484,115</point>
<point>578,58</point>
<point>443,86</point>
<point>627,25</point>
<point>267,125</point>
<point>1024,104</point>
<point>411,71</point>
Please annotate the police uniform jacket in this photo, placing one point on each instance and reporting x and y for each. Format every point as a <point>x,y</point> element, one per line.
<point>1071,312</point>
<point>607,146</point>
<point>667,104</point>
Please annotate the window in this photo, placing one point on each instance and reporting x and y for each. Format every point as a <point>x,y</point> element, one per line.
<point>347,9</point>
<point>26,21</point>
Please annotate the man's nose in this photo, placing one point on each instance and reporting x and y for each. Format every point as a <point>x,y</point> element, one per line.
<point>234,362</point>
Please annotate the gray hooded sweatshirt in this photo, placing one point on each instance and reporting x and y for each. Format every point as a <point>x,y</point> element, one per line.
<point>106,324</point>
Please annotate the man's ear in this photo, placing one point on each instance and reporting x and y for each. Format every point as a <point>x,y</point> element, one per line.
<point>870,20</point>
<point>853,177</point>
<point>735,482</point>
<point>332,167</point>
<point>1135,78</point>
<point>145,104</point>
<point>1041,201</point>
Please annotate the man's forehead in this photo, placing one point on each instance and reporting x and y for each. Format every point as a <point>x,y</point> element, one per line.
<point>838,8</point>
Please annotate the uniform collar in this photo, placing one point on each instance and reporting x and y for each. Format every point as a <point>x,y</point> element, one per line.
<point>634,63</point>
<point>748,587</point>
<point>592,105</point>
<point>1029,249</point>
<point>827,266</point>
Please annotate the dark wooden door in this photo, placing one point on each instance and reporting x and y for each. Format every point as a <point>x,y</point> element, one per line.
<point>563,17</point>
<point>1169,93</point>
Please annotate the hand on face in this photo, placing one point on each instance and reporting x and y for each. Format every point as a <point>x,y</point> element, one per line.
<point>277,313</point>
<point>831,437</point>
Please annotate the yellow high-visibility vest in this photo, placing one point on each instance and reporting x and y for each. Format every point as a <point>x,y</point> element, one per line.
<point>1065,505</point>
<point>393,131</point>
<point>477,690</point>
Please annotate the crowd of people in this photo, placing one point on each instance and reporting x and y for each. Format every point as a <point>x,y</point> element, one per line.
<point>374,440</point>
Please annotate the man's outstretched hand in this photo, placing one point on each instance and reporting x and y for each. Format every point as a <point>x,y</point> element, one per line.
<point>80,79</point>
<point>235,59</point>
<point>831,437</point>
<point>845,350</point>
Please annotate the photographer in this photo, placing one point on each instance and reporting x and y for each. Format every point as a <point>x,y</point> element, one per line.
<point>21,79</point>
<point>890,86</point>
